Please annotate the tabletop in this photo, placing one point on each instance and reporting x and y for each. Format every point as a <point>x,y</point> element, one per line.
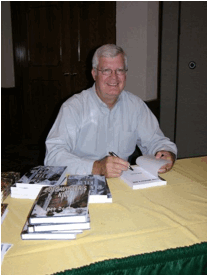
<point>137,222</point>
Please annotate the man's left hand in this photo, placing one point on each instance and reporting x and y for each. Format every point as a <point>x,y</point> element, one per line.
<point>167,155</point>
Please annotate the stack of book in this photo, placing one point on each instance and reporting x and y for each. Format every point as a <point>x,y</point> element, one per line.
<point>59,212</point>
<point>7,180</point>
<point>30,184</point>
<point>60,209</point>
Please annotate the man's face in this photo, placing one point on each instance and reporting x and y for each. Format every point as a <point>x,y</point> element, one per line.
<point>109,88</point>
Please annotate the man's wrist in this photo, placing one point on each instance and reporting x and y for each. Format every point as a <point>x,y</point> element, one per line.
<point>96,169</point>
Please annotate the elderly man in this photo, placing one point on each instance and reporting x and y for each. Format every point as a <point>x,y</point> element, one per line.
<point>105,118</point>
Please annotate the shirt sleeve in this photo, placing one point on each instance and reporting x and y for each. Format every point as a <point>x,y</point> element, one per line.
<point>61,142</point>
<point>150,137</point>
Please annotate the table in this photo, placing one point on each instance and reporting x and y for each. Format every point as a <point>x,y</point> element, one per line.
<point>137,223</point>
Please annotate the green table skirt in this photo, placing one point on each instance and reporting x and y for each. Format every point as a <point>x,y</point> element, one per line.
<point>191,260</point>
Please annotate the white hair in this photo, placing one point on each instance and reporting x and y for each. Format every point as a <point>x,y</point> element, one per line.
<point>108,50</point>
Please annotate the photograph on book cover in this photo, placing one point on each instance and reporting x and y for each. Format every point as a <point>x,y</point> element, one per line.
<point>60,203</point>
<point>98,186</point>
<point>48,175</point>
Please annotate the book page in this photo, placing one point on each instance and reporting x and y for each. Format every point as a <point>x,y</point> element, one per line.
<point>138,175</point>
<point>150,164</point>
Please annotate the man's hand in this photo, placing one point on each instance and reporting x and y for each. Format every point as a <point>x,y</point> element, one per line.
<point>167,155</point>
<point>110,166</point>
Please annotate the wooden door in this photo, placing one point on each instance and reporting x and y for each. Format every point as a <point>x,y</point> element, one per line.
<point>53,46</point>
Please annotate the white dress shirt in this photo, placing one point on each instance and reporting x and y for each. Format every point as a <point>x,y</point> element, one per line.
<point>86,130</point>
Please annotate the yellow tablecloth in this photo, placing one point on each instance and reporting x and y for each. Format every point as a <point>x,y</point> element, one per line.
<point>138,221</point>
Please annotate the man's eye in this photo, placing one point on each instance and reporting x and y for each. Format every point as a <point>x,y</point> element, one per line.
<point>106,70</point>
<point>120,70</point>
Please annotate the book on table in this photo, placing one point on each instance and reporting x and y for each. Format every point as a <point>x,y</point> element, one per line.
<point>4,211</point>
<point>46,227</point>
<point>145,174</point>
<point>6,184</point>
<point>48,235</point>
<point>42,176</point>
<point>61,204</point>
<point>7,180</point>
<point>99,189</point>
<point>15,176</point>
<point>29,185</point>
<point>24,193</point>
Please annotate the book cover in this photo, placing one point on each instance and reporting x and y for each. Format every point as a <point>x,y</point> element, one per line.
<point>4,211</point>
<point>61,204</point>
<point>7,180</point>
<point>15,176</point>
<point>4,249</point>
<point>6,184</point>
<point>53,235</point>
<point>60,226</point>
<point>144,175</point>
<point>42,176</point>
<point>99,189</point>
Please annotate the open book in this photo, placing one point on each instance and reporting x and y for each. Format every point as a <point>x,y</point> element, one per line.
<point>145,174</point>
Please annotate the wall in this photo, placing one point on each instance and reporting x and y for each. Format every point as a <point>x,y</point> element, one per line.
<point>137,34</point>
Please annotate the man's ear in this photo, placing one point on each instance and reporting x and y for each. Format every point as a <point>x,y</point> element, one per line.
<point>94,74</point>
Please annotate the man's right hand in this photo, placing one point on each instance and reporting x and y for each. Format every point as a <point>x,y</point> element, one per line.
<point>110,166</point>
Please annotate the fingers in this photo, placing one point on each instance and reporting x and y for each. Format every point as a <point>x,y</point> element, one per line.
<point>167,155</point>
<point>110,166</point>
<point>115,166</point>
<point>158,155</point>
<point>165,169</point>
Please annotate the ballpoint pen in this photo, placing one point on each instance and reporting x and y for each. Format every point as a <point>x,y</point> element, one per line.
<point>113,154</point>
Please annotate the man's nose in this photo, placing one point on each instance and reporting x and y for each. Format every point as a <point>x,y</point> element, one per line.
<point>114,74</point>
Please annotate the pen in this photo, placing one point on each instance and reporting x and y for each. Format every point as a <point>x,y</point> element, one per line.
<point>113,154</point>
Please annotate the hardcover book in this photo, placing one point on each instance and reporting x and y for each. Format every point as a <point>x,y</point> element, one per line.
<point>53,235</point>
<point>61,204</point>
<point>25,193</point>
<point>30,184</point>
<point>5,187</point>
<point>4,249</point>
<point>60,226</point>
<point>7,180</point>
<point>42,176</point>
<point>145,174</point>
<point>99,189</point>
<point>4,211</point>
<point>15,176</point>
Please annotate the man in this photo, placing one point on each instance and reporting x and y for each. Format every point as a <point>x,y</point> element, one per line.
<point>103,119</point>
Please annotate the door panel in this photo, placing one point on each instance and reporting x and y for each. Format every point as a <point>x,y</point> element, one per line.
<point>191,124</point>
<point>183,99</point>
<point>42,78</point>
<point>53,46</point>
<point>44,45</point>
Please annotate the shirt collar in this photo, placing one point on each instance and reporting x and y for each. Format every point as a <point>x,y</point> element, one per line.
<point>100,102</point>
